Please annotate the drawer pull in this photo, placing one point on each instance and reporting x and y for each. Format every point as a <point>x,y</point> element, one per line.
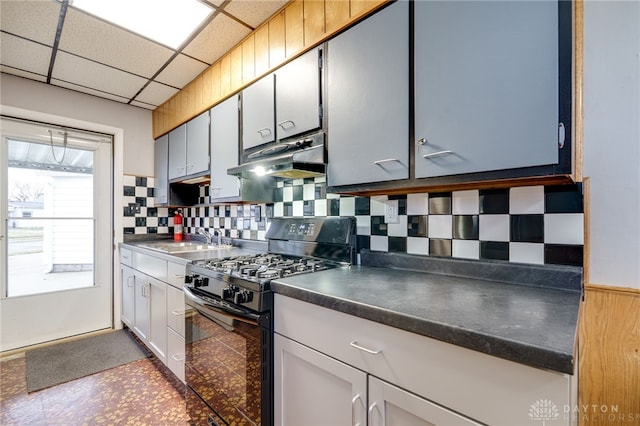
<point>178,313</point>
<point>437,154</point>
<point>362,348</point>
<point>286,124</point>
<point>386,160</point>
<point>178,358</point>
<point>370,411</point>
<point>178,276</point>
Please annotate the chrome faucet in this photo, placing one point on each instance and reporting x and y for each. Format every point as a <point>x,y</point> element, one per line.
<point>218,232</point>
<point>206,234</point>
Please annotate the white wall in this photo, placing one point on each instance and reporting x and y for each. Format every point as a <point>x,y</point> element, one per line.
<point>135,122</point>
<point>612,139</point>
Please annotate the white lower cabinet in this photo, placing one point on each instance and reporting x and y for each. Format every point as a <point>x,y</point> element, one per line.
<point>128,294</point>
<point>391,406</point>
<point>314,389</point>
<point>153,305</point>
<point>158,318</point>
<point>325,360</point>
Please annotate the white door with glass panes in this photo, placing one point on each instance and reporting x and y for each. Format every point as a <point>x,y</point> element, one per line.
<point>55,232</point>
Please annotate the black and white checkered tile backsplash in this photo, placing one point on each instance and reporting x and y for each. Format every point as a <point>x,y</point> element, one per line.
<point>535,224</point>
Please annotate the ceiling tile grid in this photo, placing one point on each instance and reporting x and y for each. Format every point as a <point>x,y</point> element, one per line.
<point>104,60</point>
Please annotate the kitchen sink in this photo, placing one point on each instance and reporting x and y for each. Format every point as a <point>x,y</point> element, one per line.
<point>183,247</point>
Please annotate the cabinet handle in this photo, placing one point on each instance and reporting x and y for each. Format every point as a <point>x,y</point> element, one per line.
<point>189,167</point>
<point>129,284</point>
<point>362,348</point>
<point>386,160</point>
<point>264,132</point>
<point>370,412</point>
<point>283,125</point>
<point>177,276</point>
<point>179,168</point>
<point>422,141</point>
<point>437,154</point>
<point>353,410</point>
<point>178,313</point>
<point>561,135</point>
<point>178,358</point>
<point>124,256</point>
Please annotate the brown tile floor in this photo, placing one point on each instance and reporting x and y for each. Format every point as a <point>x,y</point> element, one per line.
<point>137,393</point>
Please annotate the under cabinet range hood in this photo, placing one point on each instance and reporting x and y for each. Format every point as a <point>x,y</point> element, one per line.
<point>297,158</point>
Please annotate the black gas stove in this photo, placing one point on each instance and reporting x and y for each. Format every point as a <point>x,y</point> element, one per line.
<point>295,246</point>
<point>228,326</point>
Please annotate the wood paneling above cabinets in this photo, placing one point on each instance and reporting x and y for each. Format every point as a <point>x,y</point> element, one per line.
<point>297,27</point>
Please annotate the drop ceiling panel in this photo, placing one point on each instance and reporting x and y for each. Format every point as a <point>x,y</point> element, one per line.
<point>181,71</point>
<point>216,39</point>
<point>143,105</point>
<point>35,20</point>
<point>92,38</point>
<point>156,93</point>
<point>97,76</point>
<point>253,12</point>
<point>88,91</point>
<point>25,74</point>
<point>24,55</point>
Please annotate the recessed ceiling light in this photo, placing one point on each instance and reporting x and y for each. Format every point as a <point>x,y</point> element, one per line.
<point>167,22</point>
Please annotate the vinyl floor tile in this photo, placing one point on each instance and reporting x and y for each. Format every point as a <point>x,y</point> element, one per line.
<point>137,393</point>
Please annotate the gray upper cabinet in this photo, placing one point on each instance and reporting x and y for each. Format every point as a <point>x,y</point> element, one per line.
<point>161,167</point>
<point>486,86</point>
<point>258,115</point>
<point>298,95</point>
<point>177,152</point>
<point>224,149</point>
<point>368,100</point>
<point>198,144</point>
<point>189,148</point>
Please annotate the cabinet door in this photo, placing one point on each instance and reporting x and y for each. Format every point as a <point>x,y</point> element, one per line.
<point>368,100</point>
<point>175,310</point>
<point>224,149</point>
<point>128,295</point>
<point>298,95</point>
<point>175,353</point>
<point>392,406</point>
<point>258,113</point>
<point>311,388</point>
<point>161,168</point>
<point>486,86</point>
<point>141,308</point>
<point>158,318</point>
<point>197,160</point>
<point>177,152</point>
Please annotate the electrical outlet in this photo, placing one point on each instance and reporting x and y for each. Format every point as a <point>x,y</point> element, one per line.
<point>391,211</point>
<point>134,208</point>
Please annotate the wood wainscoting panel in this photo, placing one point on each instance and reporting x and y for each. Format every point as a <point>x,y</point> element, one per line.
<point>294,27</point>
<point>609,357</point>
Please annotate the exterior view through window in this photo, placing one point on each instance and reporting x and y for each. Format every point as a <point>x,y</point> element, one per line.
<point>50,218</point>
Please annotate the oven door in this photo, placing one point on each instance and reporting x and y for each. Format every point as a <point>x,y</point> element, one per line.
<point>228,360</point>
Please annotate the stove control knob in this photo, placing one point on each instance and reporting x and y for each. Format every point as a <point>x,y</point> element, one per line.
<point>188,279</point>
<point>243,296</point>
<point>227,293</point>
<point>199,281</point>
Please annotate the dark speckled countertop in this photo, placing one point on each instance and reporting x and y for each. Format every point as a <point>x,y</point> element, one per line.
<point>532,324</point>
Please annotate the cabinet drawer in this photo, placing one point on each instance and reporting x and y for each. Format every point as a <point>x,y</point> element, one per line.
<point>175,274</point>
<point>175,310</point>
<point>126,257</point>
<point>175,358</point>
<point>150,265</point>
<point>483,387</point>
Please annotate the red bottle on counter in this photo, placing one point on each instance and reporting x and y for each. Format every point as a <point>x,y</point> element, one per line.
<point>177,226</point>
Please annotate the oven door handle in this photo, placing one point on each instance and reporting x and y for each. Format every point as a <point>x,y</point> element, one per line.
<point>222,312</point>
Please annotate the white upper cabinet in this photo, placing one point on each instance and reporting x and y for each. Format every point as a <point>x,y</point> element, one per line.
<point>368,100</point>
<point>177,152</point>
<point>486,86</point>
<point>161,167</point>
<point>298,95</point>
<point>224,149</point>
<point>258,114</point>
